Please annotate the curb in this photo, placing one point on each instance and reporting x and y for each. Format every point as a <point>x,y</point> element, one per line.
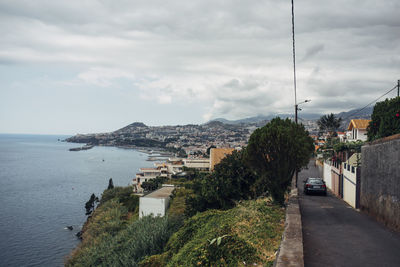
<point>291,249</point>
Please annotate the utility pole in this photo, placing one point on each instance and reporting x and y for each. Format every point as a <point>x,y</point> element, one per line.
<point>398,87</point>
<point>296,107</point>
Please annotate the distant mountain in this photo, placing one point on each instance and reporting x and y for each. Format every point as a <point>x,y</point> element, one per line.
<point>354,114</point>
<point>131,127</point>
<point>262,119</point>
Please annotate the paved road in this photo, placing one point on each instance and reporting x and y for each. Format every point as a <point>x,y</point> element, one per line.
<point>334,234</point>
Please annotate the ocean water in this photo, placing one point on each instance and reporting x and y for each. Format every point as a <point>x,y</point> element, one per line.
<point>43,189</point>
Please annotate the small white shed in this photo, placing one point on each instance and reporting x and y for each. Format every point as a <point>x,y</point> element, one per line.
<point>156,203</point>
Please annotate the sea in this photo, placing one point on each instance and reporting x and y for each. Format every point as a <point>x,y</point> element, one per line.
<point>43,189</point>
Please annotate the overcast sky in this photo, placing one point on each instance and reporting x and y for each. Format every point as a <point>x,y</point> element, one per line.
<point>96,66</point>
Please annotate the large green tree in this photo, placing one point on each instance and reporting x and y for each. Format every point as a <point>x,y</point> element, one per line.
<point>385,119</point>
<point>329,123</point>
<point>275,152</point>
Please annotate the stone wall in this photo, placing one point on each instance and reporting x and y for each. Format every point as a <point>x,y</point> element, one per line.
<point>380,180</point>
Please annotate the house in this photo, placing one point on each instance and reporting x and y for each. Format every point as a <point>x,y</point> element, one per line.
<point>156,203</point>
<point>147,174</point>
<point>342,136</point>
<point>358,129</point>
<point>217,154</point>
<point>173,165</point>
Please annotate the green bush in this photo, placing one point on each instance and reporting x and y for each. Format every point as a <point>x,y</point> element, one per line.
<point>124,195</point>
<point>385,119</point>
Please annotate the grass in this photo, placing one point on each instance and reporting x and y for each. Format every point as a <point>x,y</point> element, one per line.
<point>250,233</point>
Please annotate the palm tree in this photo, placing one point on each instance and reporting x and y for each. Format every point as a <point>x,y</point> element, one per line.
<point>329,123</point>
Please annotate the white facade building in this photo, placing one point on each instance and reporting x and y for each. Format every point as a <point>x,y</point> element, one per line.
<point>357,130</point>
<point>156,203</point>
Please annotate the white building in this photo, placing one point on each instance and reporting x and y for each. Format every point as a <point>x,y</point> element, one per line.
<point>358,130</point>
<point>156,203</point>
<point>197,163</point>
<point>147,174</point>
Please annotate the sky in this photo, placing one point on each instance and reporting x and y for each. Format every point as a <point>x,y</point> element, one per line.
<point>88,66</point>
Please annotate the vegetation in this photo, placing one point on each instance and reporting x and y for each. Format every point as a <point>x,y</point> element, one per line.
<point>353,147</point>
<point>329,123</point>
<point>130,244</point>
<point>275,152</point>
<point>110,184</point>
<point>123,195</point>
<point>230,182</point>
<point>153,184</point>
<point>385,119</point>
<point>249,234</point>
<point>91,204</point>
<point>113,236</point>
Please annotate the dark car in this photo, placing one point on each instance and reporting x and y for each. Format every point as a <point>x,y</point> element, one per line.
<point>314,185</point>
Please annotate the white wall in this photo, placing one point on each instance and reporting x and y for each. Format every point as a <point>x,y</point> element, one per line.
<point>362,134</point>
<point>327,175</point>
<point>155,206</point>
<point>349,186</point>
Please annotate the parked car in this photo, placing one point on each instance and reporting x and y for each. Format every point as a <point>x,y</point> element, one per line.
<point>314,185</point>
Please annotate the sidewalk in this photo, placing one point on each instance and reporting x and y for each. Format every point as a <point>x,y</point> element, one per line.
<point>334,234</point>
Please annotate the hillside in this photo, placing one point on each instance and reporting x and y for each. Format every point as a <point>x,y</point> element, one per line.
<point>114,236</point>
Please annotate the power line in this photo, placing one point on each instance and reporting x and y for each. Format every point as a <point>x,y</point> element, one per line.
<point>370,103</point>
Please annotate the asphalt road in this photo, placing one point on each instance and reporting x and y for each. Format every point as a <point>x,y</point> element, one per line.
<point>334,234</point>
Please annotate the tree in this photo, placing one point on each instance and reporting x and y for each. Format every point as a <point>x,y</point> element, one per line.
<point>231,181</point>
<point>275,152</point>
<point>90,205</point>
<point>153,184</point>
<point>385,119</point>
<point>110,184</point>
<point>329,123</point>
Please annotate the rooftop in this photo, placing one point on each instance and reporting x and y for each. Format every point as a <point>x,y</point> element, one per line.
<point>358,124</point>
<point>163,192</point>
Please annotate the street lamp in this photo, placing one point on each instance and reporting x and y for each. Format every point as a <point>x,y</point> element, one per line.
<point>296,107</point>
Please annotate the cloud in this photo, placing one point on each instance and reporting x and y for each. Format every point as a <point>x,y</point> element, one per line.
<point>230,58</point>
<point>312,51</point>
<point>103,77</point>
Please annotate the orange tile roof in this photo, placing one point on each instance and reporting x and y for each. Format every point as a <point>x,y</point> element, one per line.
<point>358,124</point>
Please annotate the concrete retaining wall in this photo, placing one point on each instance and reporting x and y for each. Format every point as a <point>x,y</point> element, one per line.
<point>291,248</point>
<point>380,180</point>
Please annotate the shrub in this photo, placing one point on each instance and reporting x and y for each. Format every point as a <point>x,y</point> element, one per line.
<point>137,240</point>
<point>124,195</point>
